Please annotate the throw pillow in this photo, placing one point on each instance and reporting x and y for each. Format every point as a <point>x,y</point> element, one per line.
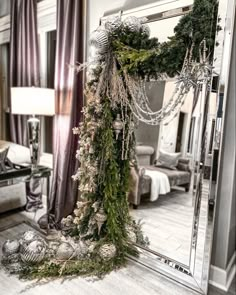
<point>167,160</point>
<point>183,165</point>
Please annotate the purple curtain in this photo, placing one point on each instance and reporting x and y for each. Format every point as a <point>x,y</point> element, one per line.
<point>69,101</point>
<point>24,58</point>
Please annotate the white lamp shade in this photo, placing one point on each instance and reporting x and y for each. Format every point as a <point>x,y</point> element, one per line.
<point>32,101</point>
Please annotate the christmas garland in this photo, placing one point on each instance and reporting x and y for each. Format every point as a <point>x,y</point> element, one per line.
<point>100,234</point>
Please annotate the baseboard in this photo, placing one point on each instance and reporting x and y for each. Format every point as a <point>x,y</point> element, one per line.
<point>222,278</point>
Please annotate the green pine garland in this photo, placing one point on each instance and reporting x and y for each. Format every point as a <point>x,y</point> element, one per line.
<point>147,58</point>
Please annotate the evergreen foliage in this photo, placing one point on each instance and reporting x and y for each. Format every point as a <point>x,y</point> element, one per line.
<point>151,59</point>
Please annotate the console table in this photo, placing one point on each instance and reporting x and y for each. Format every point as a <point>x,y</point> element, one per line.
<point>24,173</point>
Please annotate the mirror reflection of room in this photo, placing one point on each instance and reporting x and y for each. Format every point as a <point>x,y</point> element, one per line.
<point>164,188</point>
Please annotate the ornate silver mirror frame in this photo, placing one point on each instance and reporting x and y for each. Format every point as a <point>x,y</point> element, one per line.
<point>196,274</point>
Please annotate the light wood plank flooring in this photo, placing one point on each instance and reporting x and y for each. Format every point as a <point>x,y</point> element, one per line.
<point>168,223</point>
<point>132,280</point>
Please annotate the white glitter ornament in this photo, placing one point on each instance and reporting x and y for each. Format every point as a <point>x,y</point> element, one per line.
<point>107,251</point>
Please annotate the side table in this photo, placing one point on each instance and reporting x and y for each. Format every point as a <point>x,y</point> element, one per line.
<point>24,173</point>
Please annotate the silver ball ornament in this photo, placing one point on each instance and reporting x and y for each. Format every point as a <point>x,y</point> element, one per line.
<point>65,251</point>
<point>100,40</point>
<point>10,247</point>
<point>133,23</point>
<point>113,23</point>
<point>33,252</point>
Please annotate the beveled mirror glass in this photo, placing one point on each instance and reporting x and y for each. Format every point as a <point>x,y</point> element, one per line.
<point>175,188</point>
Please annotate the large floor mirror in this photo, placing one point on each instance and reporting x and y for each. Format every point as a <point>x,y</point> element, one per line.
<point>177,159</point>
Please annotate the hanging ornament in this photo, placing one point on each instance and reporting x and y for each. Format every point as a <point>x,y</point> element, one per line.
<point>100,218</point>
<point>133,23</point>
<point>107,251</point>
<point>117,125</point>
<point>10,247</point>
<point>113,23</point>
<point>100,40</point>
<point>65,251</point>
<point>33,252</point>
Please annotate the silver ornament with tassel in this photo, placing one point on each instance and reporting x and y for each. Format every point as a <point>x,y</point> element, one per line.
<point>100,218</point>
<point>117,125</point>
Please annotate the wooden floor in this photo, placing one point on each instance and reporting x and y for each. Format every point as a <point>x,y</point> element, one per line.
<point>168,223</point>
<point>132,280</point>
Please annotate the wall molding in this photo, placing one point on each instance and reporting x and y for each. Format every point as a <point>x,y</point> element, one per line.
<point>222,278</point>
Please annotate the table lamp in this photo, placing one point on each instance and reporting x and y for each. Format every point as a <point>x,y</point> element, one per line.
<point>33,101</point>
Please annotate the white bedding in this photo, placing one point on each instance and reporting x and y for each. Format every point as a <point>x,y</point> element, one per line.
<point>160,184</point>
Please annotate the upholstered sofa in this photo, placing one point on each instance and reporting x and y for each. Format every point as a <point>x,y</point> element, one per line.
<point>14,196</point>
<point>141,183</point>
